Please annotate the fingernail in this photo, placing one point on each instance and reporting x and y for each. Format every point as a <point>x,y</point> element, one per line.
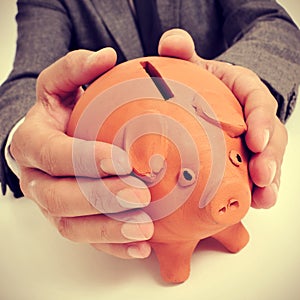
<point>130,198</point>
<point>107,166</point>
<point>137,232</point>
<point>138,252</point>
<point>272,167</point>
<point>266,137</point>
<point>119,164</point>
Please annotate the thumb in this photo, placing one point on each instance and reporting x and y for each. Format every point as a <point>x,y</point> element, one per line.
<point>75,69</point>
<point>178,43</point>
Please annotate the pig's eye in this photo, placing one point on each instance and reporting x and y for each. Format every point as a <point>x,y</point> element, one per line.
<point>186,177</point>
<point>235,158</point>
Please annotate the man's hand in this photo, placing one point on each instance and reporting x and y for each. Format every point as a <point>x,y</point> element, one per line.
<point>44,154</point>
<point>266,136</point>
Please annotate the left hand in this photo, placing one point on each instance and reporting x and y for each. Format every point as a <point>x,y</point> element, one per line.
<point>266,136</point>
<point>48,172</point>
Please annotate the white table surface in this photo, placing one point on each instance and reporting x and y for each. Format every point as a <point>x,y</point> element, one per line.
<point>36,263</point>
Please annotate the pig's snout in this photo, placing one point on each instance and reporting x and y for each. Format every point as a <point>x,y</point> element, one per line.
<point>228,212</point>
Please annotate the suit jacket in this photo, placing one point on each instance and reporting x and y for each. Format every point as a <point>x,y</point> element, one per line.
<point>256,34</point>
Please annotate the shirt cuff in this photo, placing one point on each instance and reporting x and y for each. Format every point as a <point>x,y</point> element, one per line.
<point>12,164</point>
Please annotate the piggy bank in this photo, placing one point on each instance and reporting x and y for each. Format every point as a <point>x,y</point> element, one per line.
<point>183,131</point>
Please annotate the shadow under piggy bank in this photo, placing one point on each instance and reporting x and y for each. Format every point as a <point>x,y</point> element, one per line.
<point>183,131</point>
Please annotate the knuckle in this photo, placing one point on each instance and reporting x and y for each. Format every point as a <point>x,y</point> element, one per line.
<point>251,73</point>
<point>47,159</point>
<point>53,201</point>
<point>24,185</point>
<point>101,197</point>
<point>18,143</point>
<point>13,148</point>
<point>14,151</point>
<point>95,197</point>
<point>83,159</point>
<point>246,71</point>
<point>71,59</point>
<point>68,61</point>
<point>104,235</point>
<point>28,183</point>
<point>42,75</point>
<point>272,105</point>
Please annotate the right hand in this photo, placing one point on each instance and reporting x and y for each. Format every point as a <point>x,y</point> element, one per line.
<point>44,154</point>
<point>266,136</point>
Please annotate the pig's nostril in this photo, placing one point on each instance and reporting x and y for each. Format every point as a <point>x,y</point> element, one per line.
<point>233,204</point>
<point>222,210</point>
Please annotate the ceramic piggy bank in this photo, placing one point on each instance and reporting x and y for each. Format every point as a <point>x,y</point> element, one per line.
<point>183,131</point>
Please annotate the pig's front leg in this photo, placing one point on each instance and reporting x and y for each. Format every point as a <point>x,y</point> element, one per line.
<point>174,259</point>
<point>234,237</point>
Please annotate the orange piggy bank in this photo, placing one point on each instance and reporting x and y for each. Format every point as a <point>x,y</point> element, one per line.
<point>183,131</point>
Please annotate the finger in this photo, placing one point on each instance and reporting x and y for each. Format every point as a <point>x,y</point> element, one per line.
<point>83,196</point>
<point>265,169</point>
<point>260,126</point>
<point>74,70</point>
<point>60,155</point>
<point>103,229</point>
<point>265,197</point>
<point>126,251</point>
<point>177,43</point>
<point>264,166</point>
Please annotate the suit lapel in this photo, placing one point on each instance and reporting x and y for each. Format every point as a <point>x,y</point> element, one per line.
<point>169,13</point>
<point>120,23</point>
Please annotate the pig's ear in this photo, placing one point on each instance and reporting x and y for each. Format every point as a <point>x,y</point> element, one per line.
<point>229,116</point>
<point>234,130</point>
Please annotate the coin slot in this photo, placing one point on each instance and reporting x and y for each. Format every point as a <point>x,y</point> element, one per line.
<point>157,79</point>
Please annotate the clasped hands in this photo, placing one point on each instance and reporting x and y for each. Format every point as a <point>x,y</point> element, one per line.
<point>44,152</point>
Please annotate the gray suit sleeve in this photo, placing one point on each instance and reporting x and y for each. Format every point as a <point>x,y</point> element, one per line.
<point>44,34</point>
<point>262,37</point>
